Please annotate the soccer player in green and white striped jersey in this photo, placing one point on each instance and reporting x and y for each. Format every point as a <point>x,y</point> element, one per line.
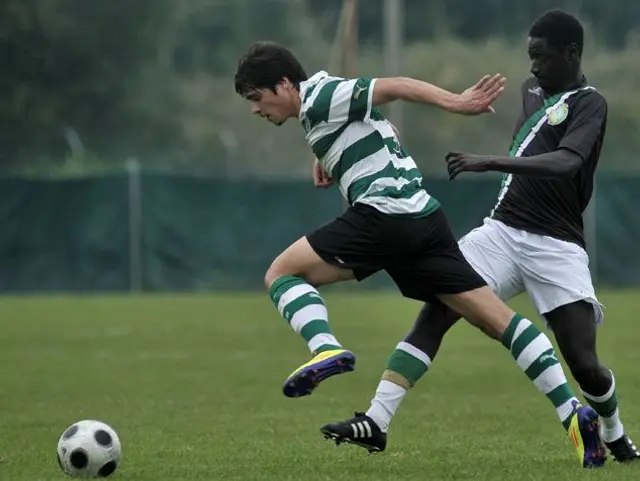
<point>392,223</point>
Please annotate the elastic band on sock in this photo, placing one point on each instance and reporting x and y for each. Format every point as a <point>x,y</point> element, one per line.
<point>606,396</point>
<point>276,290</point>
<point>507,337</point>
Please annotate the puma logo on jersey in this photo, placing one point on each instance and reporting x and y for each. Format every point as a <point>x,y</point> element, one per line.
<point>535,91</point>
<point>358,91</point>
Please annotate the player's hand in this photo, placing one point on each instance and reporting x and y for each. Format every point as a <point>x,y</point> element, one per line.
<point>477,100</point>
<point>321,179</point>
<point>458,162</point>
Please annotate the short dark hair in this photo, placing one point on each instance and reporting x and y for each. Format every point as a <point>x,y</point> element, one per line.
<point>559,28</point>
<point>265,65</point>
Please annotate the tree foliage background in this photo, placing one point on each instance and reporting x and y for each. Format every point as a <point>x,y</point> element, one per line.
<point>85,85</point>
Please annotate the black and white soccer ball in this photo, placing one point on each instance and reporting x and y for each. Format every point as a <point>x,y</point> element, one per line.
<point>89,449</point>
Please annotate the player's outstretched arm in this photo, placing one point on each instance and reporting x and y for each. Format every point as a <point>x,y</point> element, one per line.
<point>561,163</point>
<point>473,101</point>
<point>582,132</point>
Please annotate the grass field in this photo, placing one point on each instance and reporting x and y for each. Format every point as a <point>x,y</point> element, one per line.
<point>192,385</point>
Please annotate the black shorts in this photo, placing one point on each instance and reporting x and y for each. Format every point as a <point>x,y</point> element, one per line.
<point>421,255</point>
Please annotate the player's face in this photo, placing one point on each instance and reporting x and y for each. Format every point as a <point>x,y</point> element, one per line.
<point>548,64</point>
<point>276,107</point>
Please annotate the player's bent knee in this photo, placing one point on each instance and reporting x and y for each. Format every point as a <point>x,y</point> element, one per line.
<point>295,260</point>
<point>301,260</point>
<point>283,265</point>
<point>590,374</point>
<point>272,274</point>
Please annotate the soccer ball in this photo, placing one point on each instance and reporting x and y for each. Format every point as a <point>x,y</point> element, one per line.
<point>89,449</point>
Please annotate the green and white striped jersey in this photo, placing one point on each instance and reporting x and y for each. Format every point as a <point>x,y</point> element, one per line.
<point>358,147</point>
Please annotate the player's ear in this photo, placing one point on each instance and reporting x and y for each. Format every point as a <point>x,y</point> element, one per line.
<point>285,84</point>
<point>572,52</point>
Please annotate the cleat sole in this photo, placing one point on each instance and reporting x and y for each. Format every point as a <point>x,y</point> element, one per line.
<point>304,382</point>
<point>338,439</point>
<point>595,452</point>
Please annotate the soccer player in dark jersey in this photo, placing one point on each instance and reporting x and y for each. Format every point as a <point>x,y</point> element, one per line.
<point>533,239</point>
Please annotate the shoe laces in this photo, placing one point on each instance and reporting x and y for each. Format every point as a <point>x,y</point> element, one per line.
<point>631,448</point>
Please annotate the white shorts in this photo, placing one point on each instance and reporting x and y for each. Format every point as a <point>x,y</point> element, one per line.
<point>511,261</point>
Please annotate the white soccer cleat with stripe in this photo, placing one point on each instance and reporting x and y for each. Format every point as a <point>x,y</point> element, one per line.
<point>360,430</point>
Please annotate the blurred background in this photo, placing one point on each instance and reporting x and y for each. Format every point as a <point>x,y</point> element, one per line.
<point>128,163</point>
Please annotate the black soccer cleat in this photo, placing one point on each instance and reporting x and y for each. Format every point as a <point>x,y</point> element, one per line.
<point>360,430</point>
<point>623,450</point>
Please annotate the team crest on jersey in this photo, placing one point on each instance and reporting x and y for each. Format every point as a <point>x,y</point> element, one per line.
<point>557,114</point>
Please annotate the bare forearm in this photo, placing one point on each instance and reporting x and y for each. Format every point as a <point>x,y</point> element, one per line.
<point>416,91</point>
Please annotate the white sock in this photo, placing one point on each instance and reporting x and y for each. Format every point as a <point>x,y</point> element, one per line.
<point>612,428</point>
<point>385,403</point>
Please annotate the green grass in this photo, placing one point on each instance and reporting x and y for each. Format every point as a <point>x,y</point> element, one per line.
<point>192,385</point>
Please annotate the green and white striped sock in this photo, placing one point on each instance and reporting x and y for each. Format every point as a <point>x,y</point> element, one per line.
<point>303,308</point>
<point>405,366</point>
<point>535,355</point>
<point>606,406</point>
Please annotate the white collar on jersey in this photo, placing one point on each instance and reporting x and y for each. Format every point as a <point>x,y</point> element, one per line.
<point>304,86</point>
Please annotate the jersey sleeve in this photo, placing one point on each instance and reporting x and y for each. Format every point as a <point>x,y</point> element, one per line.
<point>586,122</point>
<point>342,101</point>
